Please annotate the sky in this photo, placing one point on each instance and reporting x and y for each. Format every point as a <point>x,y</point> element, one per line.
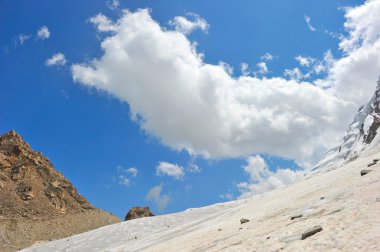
<point>182,104</point>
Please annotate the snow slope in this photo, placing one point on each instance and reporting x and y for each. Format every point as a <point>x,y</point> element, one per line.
<point>345,204</point>
<point>360,136</point>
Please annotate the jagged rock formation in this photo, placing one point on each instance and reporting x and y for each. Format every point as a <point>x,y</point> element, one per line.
<point>34,194</point>
<point>138,212</point>
<point>360,136</point>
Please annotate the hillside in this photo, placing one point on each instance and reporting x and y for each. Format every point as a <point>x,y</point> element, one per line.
<point>38,202</point>
<point>345,204</point>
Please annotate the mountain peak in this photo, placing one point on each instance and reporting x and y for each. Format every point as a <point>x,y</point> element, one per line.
<point>360,136</point>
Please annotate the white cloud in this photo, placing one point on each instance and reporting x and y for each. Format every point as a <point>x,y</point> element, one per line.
<point>308,23</point>
<point>161,200</point>
<point>132,171</point>
<point>295,74</point>
<point>124,180</point>
<point>263,69</point>
<point>219,116</point>
<point>172,170</point>
<point>229,69</point>
<point>21,39</point>
<point>305,61</point>
<point>189,24</point>
<point>113,5</point>
<point>103,23</point>
<point>43,33</point>
<point>244,69</point>
<point>227,196</point>
<point>261,179</point>
<point>57,59</point>
<point>267,57</point>
<point>193,168</point>
<point>125,175</point>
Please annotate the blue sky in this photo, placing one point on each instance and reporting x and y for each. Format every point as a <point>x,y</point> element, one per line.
<point>79,112</point>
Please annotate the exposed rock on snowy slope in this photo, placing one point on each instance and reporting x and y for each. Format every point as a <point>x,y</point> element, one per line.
<point>36,201</point>
<point>138,212</point>
<point>360,136</point>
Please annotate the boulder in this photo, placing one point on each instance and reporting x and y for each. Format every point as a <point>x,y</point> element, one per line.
<point>364,172</point>
<point>138,212</point>
<point>243,220</point>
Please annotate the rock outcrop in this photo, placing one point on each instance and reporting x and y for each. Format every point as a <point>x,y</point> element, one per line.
<point>32,191</point>
<point>138,212</point>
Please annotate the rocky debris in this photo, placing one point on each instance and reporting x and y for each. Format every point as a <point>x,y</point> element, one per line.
<point>32,191</point>
<point>371,164</point>
<point>365,172</point>
<point>138,212</point>
<point>304,235</point>
<point>296,216</point>
<point>311,231</point>
<point>243,220</point>
<point>376,160</point>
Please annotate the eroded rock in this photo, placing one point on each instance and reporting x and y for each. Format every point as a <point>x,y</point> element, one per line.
<point>138,212</point>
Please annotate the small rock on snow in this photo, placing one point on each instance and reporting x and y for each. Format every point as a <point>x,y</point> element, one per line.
<point>243,220</point>
<point>364,172</point>
<point>311,231</point>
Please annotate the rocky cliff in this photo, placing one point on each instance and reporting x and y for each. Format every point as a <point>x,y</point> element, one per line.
<point>37,201</point>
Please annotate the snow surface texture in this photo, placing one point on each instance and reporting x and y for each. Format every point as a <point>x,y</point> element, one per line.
<point>345,204</point>
<point>358,138</point>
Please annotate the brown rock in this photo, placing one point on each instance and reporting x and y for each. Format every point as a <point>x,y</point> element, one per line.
<point>243,220</point>
<point>310,232</point>
<point>138,212</point>
<point>34,196</point>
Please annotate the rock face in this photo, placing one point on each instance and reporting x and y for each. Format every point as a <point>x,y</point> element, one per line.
<point>138,212</point>
<point>361,135</point>
<point>32,191</point>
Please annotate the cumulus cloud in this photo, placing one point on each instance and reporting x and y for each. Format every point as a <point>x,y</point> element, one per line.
<point>155,195</point>
<point>244,69</point>
<point>190,23</point>
<point>57,59</point>
<point>354,76</point>
<point>267,57</point>
<point>113,5</point>
<point>43,33</point>
<point>21,39</point>
<point>192,105</point>
<point>295,74</point>
<point>261,179</point>
<point>126,175</point>
<point>132,171</point>
<point>263,69</point>
<point>172,170</point>
<point>304,61</point>
<point>308,23</point>
<point>103,23</point>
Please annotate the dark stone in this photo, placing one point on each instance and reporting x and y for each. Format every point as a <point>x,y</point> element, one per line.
<point>364,172</point>
<point>296,216</point>
<point>311,231</point>
<point>370,164</point>
<point>243,220</point>
<point>138,212</point>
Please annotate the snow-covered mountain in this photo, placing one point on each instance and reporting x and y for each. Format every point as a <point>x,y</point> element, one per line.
<point>361,136</point>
